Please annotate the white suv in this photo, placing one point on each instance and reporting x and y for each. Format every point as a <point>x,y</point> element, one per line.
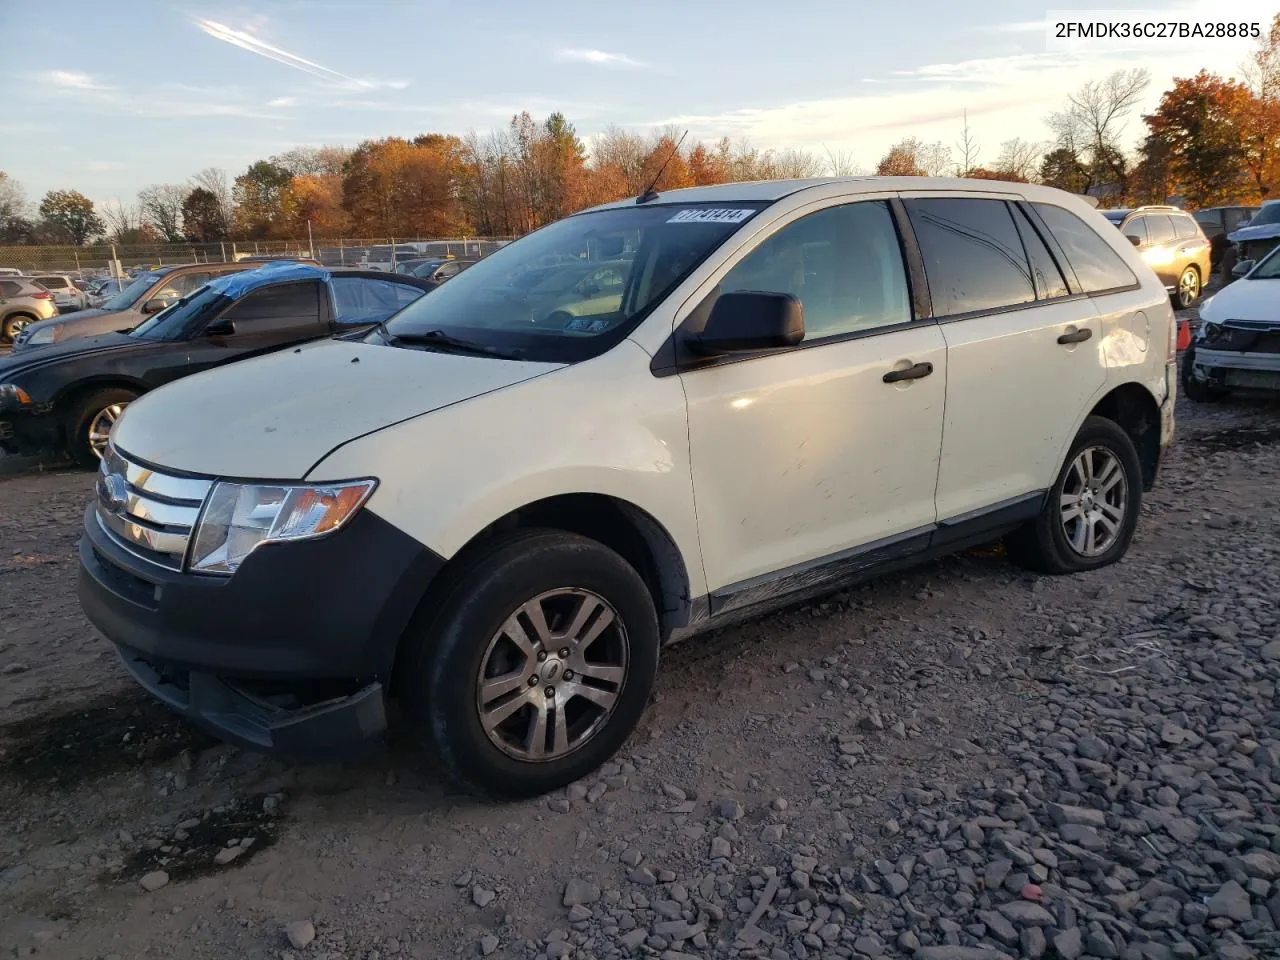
<point>497,508</point>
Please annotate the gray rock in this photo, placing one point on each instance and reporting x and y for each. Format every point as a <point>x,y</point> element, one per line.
<point>482,897</point>
<point>634,938</point>
<point>153,881</point>
<point>996,872</point>
<point>1027,914</point>
<point>998,926</point>
<point>720,849</point>
<point>957,952</point>
<point>488,945</point>
<point>579,891</point>
<point>578,913</point>
<point>1061,814</point>
<point>1082,836</point>
<point>1069,944</point>
<point>1033,943</point>
<point>1231,901</point>
<point>299,933</point>
<point>730,809</point>
<point>869,946</point>
<point>643,876</point>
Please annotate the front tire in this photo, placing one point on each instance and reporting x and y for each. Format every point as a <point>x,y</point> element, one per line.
<point>89,424</point>
<point>15,324</point>
<point>1091,511</point>
<point>532,666</point>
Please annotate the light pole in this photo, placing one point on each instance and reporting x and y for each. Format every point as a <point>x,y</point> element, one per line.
<point>311,247</point>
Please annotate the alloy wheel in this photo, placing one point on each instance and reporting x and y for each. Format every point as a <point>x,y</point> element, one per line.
<point>100,427</point>
<point>551,676</point>
<point>1188,287</point>
<point>1093,501</point>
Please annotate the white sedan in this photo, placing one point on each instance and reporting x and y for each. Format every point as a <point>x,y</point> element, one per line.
<point>1238,343</point>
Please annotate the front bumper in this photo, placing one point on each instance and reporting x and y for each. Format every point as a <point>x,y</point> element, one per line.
<point>1235,369</point>
<point>292,655</point>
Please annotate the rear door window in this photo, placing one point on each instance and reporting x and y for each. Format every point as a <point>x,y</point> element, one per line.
<point>1160,228</point>
<point>53,283</point>
<point>1097,266</point>
<point>1184,227</point>
<point>1048,278</point>
<point>973,256</point>
<point>366,300</point>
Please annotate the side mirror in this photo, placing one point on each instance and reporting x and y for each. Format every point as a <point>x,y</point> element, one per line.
<point>220,328</point>
<point>748,321</point>
<point>1241,268</point>
<point>154,306</point>
<point>1136,241</point>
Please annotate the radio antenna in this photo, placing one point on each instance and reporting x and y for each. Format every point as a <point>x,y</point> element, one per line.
<point>650,194</point>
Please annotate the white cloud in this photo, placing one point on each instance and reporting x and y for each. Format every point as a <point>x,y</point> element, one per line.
<point>598,57</point>
<point>245,40</point>
<point>73,81</point>
<point>283,102</point>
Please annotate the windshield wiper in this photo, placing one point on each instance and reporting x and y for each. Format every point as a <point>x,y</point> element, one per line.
<point>442,341</point>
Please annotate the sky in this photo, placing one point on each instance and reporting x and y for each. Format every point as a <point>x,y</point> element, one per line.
<point>110,97</point>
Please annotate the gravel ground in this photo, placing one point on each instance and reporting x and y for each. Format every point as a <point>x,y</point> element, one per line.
<point>965,762</point>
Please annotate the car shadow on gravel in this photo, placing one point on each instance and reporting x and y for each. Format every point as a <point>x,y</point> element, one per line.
<point>1239,438</point>
<point>113,735</point>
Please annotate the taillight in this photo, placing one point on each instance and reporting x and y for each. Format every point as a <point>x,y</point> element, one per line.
<point>42,295</point>
<point>1173,340</point>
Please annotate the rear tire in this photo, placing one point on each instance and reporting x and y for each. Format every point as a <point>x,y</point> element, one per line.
<point>1188,291</point>
<point>494,680</point>
<point>1091,511</point>
<point>88,420</point>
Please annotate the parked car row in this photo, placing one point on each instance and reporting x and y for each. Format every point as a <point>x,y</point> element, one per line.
<point>65,392</point>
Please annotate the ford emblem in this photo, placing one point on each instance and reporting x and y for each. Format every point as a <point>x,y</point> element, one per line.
<point>112,491</point>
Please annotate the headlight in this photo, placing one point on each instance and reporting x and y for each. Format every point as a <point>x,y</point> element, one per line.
<point>238,518</point>
<point>13,397</point>
<point>43,334</point>
<point>1209,331</point>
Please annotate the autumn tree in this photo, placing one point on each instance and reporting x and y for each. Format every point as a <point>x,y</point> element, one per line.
<point>15,227</point>
<point>202,219</point>
<point>1092,124</point>
<point>119,219</point>
<point>161,206</point>
<point>213,181</point>
<point>313,161</point>
<point>968,148</point>
<point>983,173</point>
<point>70,214</point>
<point>1152,180</point>
<point>1262,137</point>
<point>704,166</point>
<point>902,160</point>
<point>1063,168</point>
<point>259,193</point>
<point>1020,157</point>
<point>934,158</point>
<point>313,199</point>
<point>397,188</point>
<point>1200,124</point>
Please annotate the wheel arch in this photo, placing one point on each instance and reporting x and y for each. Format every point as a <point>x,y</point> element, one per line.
<point>1132,407</point>
<point>77,391</point>
<point>630,531</point>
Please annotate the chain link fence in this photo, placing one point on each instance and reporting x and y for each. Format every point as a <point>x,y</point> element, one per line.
<point>378,254</point>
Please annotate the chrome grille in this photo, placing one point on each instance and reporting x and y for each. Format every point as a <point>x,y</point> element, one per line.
<point>148,513</point>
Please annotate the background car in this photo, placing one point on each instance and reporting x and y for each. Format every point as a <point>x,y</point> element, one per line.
<point>148,294</point>
<point>10,272</point>
<point>435,269</point>
<point>1172,244</point>
<point>1259,236</point>
<point>22,303</point>
<point>1216,223</point>
<point>66,396</point>
<point>66,294</point>
<point>1237,343</point>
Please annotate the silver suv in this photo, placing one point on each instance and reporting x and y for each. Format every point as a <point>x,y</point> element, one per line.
<point>22,303</point>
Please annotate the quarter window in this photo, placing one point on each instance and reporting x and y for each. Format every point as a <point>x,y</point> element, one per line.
<point>1136,229</point>
<point>1048,278</point>
<point>1097,266</point>
<point>10,289</point>
<point>366,300</point>
<point>972,253</point>
<point>844,264</point>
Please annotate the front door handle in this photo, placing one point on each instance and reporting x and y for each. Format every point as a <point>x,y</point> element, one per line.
<point>1079,336</point>
<point>910,373</point>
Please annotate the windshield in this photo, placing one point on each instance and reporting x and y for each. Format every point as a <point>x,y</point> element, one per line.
<point>131,294</point>
<point>181,320</point>
<point>1270,213</point>
<point>578,286</point>
<point>1269,267</point>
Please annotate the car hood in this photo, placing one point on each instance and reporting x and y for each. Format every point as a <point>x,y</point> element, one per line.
<point>1263,231</point>
<point>1257,301</point>
<point>276,416</point>
<point>70,321</point>
<point>27,358</point>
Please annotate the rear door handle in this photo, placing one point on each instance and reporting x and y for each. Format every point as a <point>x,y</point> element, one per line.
<point>910,373</point>
<point>1080,336</point>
